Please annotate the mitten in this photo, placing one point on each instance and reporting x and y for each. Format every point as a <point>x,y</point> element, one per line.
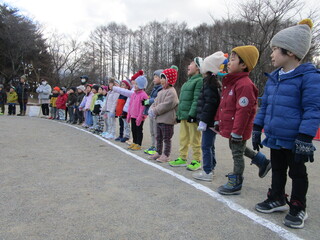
<point>146,102</point>
<point>303,148</point>
<point>202,126</point>
<point>256,137</point>
<point>151,113</point>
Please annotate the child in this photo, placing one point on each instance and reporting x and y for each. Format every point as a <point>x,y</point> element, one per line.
<point>208,104</point>
<point>71,102</point>
<point>44,91</point>
<point>53,105</point>
<point>85,107</point>
<point>61,103</point>
<point>235,115</point>
<point>78,115</point>
<point>110,109</point>
<point>164,111</point>
<point>290,117</point>
<point>12,99</point>
<point>23,94</point>
<point>3,99</point>
<point>96,105</point>
<point>153,124</point>
<point>124,129</point>
<point>135,112</point>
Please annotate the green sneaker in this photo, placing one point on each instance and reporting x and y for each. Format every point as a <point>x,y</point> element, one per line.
<point>194,165</point>
<point>179,162</point>
<point>151,150</point>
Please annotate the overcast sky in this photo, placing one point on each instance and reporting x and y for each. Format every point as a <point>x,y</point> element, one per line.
<point>80,17</point>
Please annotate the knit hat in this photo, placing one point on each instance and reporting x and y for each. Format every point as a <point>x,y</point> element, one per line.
<point>198,61</point>
<point>213,62</point>
<point>96,87</point>
<point>296,39</point>
<point>56,89</point>
<point>24,77</point>
<point>137,74</point>
<point>117,81</point>
<point>73,89</point>
<point>63,89</point>
<point>158,72</point>
<point>141,82</point>
<point>105,88</point>
<point>127,82</point>
<point>170,74</point>
<point>82,88</point>
<point>249,54</point>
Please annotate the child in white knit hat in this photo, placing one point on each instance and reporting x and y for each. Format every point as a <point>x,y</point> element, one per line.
<point>290,117</point>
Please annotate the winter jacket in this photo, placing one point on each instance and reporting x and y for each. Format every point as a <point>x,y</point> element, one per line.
<point>61,101</point>
<point>72,99</point>
<point>23,91</point>
<point>44,91</point>
<point>165,106</point>
<point>120,104</point>
<point>86,102</point>
<point>98,104</point>
<point>3,96</point>
<point>12,97</point>
<point>238,105</point>
<point>208,103</point>
<point>53,99</point>
<point>152,97</point>
<point>290,105</point>
<point>124,92</point>
<point>136,108</point>
<point>80,97</point>
<point>111,102</point>
<point>188,99</point>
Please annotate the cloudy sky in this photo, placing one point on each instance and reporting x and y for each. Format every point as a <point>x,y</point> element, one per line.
<point>80,17</point>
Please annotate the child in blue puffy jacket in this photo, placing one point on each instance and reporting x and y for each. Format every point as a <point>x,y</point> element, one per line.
<point>290,117</point>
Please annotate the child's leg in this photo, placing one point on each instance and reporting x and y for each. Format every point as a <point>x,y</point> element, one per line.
<point>237,150</point>
<point>121,127</point>
<point>134,130</point>
<point>62,114</point>
<point>10,107</point>
<point>112,126</point>
<point>159,138</point>
<point>126,126</point>
<point>195,140</point>
<point>139,132</point>
<point>14,109</point>
<point>153,131</point>
<point>167,132</point>
<point>208,150</point>
<point>2,108</point>
<point>184,140</point>
<point>95,121</point>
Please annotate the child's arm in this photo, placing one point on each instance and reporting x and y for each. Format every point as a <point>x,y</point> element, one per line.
<point>123,91</point>
<point>196,93</point>
<point>141,117</point>
<point>170,102</point>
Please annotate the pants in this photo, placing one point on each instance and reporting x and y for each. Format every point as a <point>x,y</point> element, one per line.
<point>111,124</point>
<point>62,114</point>
<point>189,135</point>
<point>71,114</point>
<point>2,108</point>
<point>11,108</point>
<point>88,118</point>
<point>281,160</point>
<point>23,105</point>
<point>137,131</point>
<point>208,150</point>
<point>53,111</point>
<point>164,135</point>
<point>239,150</point>
<point>78,116</point>
<point>45,109</point>
<point>124,129</point>
<point>153,131</point>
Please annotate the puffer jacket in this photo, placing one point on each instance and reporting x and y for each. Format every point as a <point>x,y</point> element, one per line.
<point>238,105</point>
<point>188,98</point>
<point>152,97</point>
<point>290,105</point>
<point>44,91</point>
<point>61,101</point>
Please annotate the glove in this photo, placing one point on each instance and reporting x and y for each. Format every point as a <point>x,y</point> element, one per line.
<point>216,127</point>
<point>151,113</point>
<point>202,126</point>
<point>303,148</point>
<point>146,102</point>
<point>235,138</point>
<point>191,119</point>
<point>256,137</point>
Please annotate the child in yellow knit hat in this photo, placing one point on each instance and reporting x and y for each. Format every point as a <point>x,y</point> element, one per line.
<point>235,114</point>
<point>290,117</point>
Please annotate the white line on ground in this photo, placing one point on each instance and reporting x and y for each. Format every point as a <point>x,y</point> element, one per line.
<point>283,233</point>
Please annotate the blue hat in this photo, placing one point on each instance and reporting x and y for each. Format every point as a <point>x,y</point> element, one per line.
<point>141,82</point>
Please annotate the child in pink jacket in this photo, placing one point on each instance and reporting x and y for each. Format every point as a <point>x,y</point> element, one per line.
<point>135,112</point>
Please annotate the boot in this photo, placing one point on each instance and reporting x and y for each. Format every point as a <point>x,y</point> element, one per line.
<point>263,164</point>
<point>233,186</point>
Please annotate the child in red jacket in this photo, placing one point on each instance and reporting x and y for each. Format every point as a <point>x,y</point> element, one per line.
<point>61,104</point>
<point>235,116</point>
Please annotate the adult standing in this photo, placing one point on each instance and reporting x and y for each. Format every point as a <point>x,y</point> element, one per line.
<point>187,113</point>
<point>23,92</point>
<point>44,91</point>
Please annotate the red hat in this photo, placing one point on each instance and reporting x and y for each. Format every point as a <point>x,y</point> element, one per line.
<point>57,89</point>
<point>127,83</point>
<point>171,74</point>
<point>137,74</point>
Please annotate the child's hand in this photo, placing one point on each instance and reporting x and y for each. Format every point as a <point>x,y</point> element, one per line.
<point>202,126</point>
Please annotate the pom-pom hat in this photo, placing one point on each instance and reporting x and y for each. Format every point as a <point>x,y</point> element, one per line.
<point>198,61</point>
<point>82,88</point>
<point>296,39</point>
<point>127,83</point>
<point>170,74</point>
<point>249,54</point>
<point>213,62</point>
<point>137,74</point>
<point>141,82</point>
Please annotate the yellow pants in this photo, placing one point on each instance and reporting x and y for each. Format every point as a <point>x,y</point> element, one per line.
<point>189,135</point>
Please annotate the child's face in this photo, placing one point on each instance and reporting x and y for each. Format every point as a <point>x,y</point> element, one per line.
<point>11,89</point>
<point>93,91</point>
<point>104,92</point>
<point>70,91</point>
<point>61,92</point>
<point>79,90</point>
<point>100,90</point>
<point>234,65</point>
<point>88,89</point>
<point>156,80</point>
<point>111,86</point>
<point>192,69</point>
<point>163,81</point>
<point>278,59</point>
<point>123,85</point>
<point>54,91</point>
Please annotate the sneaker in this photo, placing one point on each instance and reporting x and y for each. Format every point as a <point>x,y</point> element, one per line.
<point>118,139</point>
<point>154,156</point>
<point>163,159</point>
<point>272,204</point>
<point>110,136</point>
<point>124,139</point>
<point>203,176</point>
<point>194,165</point>
<point>131,145</point>
<point>136,147</point>
<point>296,216</point>
<point>233,186</point>
<point>150,151</point>
<point>1,113</point>
<point>179,162</point>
